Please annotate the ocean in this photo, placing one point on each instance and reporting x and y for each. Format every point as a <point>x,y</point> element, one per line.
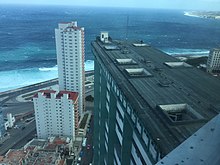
<point>27,39</point>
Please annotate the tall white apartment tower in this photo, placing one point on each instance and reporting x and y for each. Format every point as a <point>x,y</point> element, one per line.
<point>70,59</point>
<point>213,62</point>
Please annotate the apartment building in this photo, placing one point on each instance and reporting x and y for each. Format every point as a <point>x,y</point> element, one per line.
<point>70,59</point>
<point>56,113</point>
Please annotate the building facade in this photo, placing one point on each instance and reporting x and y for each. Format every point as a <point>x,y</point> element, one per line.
<point>10,121</point>
<point>70,59</point>
<point>2,124</point>
<point>56,114</point>
<point>146,103</point>
<point>213,63</point>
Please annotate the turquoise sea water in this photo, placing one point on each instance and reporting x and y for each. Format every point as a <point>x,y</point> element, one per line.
<point>27,43</point>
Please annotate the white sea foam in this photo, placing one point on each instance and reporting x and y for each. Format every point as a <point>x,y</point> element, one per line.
<point>23,77</point>
<point>43,69</point>
<point>89,65</point>
<point>190,14</point>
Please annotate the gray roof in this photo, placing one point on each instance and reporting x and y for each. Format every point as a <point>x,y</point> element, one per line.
<point>201,148</point>
<point>158,83</point>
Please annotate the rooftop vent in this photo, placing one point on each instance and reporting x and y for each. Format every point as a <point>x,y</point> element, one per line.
<point>177,64</point>
<point>164,83</point>
<point>125,51</point>
<point>140,44</point>
<point>126,61</point>
<point>111,47</point>
<point>180,113</point>
<point>138,72</point>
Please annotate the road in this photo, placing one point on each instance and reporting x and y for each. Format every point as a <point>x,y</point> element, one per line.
<point>17,108</point>
<point>87,155</point>
<point>18,136</point>
<point>14,93</point>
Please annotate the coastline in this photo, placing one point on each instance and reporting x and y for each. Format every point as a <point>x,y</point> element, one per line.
<point>17,78</point>
<point>198,14</point>
<point>189,14</point>
<point>39,84</point>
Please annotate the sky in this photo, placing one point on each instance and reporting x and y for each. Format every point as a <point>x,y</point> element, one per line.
<point>167,4</point>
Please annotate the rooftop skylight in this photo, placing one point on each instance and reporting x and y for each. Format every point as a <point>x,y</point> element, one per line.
<point>111,47</point>
<point>177,64</point>
<point>180,112</point>
<point>140,44</point>
<point>126,61</point>
<point>138,72</point>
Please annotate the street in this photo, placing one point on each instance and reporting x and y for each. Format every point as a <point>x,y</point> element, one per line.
<point>18,137</point>
<point>87,151</point>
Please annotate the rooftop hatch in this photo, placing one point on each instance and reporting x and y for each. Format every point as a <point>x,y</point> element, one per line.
<point>180,112</point>
<point>126,61</point>
<point>177,64</point>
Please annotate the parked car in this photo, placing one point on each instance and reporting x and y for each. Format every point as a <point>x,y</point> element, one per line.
<point>88,146</point>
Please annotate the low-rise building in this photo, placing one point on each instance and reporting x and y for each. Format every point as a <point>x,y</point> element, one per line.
<point>40,151</point>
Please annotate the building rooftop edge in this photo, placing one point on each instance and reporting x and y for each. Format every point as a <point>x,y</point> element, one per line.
<point>47,93</point>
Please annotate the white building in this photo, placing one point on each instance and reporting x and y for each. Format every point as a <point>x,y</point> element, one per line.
<point>56,113</point>
<point>213,63</point>
<point>10,121</point>
<point>70,59</point>
<point>104,37</point>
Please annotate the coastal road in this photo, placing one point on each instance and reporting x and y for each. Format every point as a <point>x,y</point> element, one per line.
<point>15,92</point>
<point>6,96</point>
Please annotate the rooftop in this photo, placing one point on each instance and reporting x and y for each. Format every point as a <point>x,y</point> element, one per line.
<point>200,148</point>
<point>39,152</point>
<point>14,156</point>
<point>47,94</point>
<point>171,98</point>
<point>71,95</point>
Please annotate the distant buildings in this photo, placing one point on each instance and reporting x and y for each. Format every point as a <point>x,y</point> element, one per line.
<point>147,103</point>
<point>213,63</point>
<point>56,114</point>
<point>70,59</point>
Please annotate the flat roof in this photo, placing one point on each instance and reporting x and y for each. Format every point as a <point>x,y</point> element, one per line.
<point>47,93</point>
<point>167,86</point>
<point>201,148</point>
